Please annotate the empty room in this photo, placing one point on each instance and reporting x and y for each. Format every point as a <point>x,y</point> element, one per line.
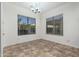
<point>40,29</point>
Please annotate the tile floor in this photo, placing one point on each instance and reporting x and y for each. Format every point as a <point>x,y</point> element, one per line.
<point>40,48</point>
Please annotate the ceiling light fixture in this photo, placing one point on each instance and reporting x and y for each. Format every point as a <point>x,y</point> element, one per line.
<point>35,8</point>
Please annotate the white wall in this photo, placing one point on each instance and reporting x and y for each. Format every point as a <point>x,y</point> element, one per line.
<point>0,29</point>
<point>9,24</point>
<point>70,24</point>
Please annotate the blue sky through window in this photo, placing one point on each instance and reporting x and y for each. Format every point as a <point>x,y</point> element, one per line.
<point>26,20</point>
<point>32,21</point>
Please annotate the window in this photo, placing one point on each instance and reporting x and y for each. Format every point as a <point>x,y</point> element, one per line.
<point>54,25</point>
<point>26,25</point>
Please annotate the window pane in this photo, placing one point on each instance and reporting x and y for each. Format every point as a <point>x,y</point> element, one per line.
<point>26,25</point>
<point>54,25</point>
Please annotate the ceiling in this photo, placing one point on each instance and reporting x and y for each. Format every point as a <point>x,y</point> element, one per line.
<point>44,6</point>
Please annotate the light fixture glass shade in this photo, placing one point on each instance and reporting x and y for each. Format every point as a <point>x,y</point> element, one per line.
<point>35,8</point>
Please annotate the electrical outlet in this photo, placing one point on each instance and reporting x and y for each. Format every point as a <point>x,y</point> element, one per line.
<point>3,34</point>
<point>68,41</point>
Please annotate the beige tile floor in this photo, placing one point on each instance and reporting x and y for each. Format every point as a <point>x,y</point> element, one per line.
<point>40,48</point>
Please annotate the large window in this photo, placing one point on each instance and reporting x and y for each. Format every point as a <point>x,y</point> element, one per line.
<point>54,25</point>
<point>26,25</point>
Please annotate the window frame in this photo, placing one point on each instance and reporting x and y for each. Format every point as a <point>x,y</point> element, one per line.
<point>53,32</point>
<point>19,33</point>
